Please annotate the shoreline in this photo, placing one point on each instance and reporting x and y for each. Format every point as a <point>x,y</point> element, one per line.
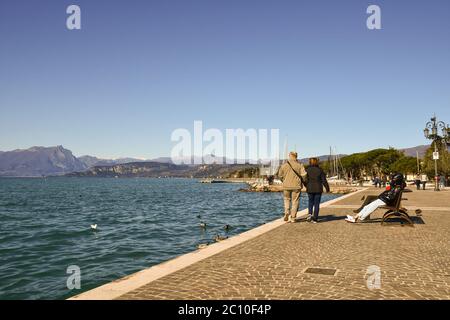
<point>119,287</point>
<point>334,188</point>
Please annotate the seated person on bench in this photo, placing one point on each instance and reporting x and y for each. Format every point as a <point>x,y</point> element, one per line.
<point>388,197</point>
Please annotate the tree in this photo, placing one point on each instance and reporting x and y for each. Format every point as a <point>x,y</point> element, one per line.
<point>377,162</point>
<point>404,165</point>
<point>443,163</point>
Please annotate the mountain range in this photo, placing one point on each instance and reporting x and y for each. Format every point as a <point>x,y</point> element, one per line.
<point>39,161</point>
<point>46,161</point>
<point>91,161</point>
<point>412,152</point>
<point>49,161</point>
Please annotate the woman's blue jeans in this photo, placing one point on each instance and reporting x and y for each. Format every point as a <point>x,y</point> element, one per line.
<point>314,205</point>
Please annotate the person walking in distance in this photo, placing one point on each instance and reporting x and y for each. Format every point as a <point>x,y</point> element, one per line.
<point>442,181</point>
<point>417,181</point>
<point>424,179</point>
<point>316,182</point>
<point>293,175</point>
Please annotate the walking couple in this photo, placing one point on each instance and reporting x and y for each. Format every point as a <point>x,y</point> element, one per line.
<point>294,177</point>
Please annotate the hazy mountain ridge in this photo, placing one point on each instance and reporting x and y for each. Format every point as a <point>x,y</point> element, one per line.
<point>46,161</point>
<point>412,152</point>
<point>133,169</point>
<point>151,169</point>
<point>91,161</point>
<point>39,161</point>
<point>321,158</point>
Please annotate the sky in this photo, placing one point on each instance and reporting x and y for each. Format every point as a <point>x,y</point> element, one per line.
<point>138,70</point>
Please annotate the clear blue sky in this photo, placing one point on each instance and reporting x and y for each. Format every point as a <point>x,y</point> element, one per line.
<point>140,69</point>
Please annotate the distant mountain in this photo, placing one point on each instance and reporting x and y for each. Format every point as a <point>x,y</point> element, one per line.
<point>91,161</point>
<point>45,161</point>
<point>39,161</point>
<point>133,169</point>
<point>162,160</point>
<point>321,158</point>
<point>412,152</point>
<point>207,158</point>
<point>151,169</point>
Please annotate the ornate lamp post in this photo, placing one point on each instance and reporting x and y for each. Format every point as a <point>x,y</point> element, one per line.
<point>433,135</point>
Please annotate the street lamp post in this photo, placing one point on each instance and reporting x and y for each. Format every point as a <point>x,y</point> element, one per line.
<point>434,126</point>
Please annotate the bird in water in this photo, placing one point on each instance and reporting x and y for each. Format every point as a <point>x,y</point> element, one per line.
<point>199,216</point>
<point>94,227</point>
<point>227,227</point>
<point>202,245</point>
<point>202,225</point>
<point>219,238</point>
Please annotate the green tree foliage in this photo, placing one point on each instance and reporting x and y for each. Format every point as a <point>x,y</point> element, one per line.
<point>443,163</point>
<point>250,172</point>
<point>376,162</point>
<point>405,165</point>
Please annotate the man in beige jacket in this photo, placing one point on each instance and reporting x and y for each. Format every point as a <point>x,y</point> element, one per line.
<point>293,175</point>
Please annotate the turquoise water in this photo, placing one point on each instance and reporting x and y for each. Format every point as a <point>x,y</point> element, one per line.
<point>45,227</point>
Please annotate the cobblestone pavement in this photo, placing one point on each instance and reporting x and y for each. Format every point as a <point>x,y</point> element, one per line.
<point>414,262</point>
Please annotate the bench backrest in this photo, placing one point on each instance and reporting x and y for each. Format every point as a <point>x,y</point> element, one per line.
<point>399,200</point>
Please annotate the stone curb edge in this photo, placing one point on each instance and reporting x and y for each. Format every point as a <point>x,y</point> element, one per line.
<point>131,282</point>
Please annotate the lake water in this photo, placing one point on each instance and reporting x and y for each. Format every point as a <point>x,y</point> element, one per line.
<point>45,227</point>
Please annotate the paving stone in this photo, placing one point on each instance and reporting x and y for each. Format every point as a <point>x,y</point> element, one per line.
<point>414,262</point>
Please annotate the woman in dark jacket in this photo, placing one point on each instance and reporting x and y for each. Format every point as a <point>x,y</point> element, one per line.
<point>316,181</point>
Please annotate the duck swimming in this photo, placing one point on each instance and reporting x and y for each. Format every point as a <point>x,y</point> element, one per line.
<point>219,238</point>
<point>202,245</point>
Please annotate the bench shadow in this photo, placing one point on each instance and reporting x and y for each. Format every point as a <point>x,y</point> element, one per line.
<point>414,219</point>
<point>417,220</point>
<point>392,221</point>
<point>330,217</point>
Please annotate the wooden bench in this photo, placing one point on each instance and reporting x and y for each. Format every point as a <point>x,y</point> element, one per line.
<point>397,211</point>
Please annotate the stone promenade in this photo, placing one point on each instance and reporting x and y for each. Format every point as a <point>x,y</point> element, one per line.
<point>414,263</point>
